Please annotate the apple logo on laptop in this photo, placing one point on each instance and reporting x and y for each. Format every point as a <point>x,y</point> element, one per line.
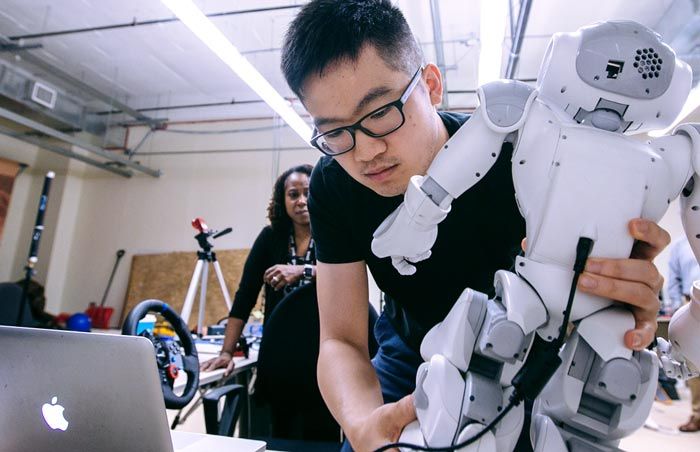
<point>53,415</point>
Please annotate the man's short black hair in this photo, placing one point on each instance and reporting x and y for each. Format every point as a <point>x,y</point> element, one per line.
<point>328,31</point>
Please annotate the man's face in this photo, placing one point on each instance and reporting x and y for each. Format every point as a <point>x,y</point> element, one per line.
<point>348,90</point>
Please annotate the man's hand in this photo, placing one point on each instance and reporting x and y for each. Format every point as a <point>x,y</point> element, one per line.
<point>223,360</point>
<point>635,281</point>
<point>384,425</point>
<point>279,276</point>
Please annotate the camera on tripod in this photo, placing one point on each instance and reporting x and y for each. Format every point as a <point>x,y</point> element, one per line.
<point>204,234</point>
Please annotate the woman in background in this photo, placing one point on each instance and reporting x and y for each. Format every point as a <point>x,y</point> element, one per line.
<point>282,258</point>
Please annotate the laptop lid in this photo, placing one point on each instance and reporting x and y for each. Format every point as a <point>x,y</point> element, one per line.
<point>68,391</point>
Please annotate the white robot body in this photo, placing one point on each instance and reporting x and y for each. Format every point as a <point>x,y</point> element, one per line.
<point>576,176</point>
<point>563,192</point>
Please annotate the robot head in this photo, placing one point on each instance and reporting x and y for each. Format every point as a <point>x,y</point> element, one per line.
<point>620,67</point>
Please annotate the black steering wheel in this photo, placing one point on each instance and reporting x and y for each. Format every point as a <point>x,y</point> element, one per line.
<point>169,358</point>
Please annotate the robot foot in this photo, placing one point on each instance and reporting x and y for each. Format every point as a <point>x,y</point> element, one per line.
<point>486,443</point>
<point>411,434</point>
<point>548,437</point>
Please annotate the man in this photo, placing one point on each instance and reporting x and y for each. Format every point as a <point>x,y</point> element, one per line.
<point>360,74</point>
<point>683,270</point>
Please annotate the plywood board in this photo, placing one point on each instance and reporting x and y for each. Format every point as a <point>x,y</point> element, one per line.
<point>167,276</point>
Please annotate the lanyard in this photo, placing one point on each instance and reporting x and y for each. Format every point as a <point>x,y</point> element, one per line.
<point>293,258</point>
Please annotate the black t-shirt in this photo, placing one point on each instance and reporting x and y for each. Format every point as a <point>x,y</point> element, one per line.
<point>481,235</point>
<point>268,249</point>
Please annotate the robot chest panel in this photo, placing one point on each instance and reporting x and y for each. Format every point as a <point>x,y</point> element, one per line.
<point>595,183</point>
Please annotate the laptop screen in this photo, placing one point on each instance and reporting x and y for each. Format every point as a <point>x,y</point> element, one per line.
<point>68,391</point>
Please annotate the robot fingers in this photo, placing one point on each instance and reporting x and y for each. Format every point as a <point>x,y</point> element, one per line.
<point>419,257</point>
<point>403,266</point>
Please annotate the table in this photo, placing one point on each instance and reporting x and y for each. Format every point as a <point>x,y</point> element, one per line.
<point>211,379</point>
<point>199,442</point>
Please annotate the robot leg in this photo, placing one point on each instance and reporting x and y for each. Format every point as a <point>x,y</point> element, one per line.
<point>452,408</point>
<point>472,356</point>
<point>600,393</point>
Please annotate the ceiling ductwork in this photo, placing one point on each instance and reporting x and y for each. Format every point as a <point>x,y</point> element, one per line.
<point>40,101</point>
<point>38,111</point>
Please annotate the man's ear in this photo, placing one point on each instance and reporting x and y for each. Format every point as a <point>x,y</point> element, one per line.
<point>433,80</point>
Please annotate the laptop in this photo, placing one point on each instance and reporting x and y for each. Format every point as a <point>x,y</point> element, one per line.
<point>68,391</point>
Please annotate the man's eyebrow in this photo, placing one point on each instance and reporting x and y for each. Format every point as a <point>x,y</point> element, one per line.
<point>373,94</point>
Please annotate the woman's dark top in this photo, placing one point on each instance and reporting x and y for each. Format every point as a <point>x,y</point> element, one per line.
<point>269,249</point>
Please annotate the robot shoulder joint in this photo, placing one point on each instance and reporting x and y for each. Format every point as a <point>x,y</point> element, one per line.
<point>505,104</point>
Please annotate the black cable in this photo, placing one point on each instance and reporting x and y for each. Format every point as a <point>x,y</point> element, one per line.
<point>541,363</point>
<point>583,250</point>
<point>464,443</point>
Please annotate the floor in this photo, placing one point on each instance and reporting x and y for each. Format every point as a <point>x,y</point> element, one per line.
<point>661,430</point>
<point>659,435</point>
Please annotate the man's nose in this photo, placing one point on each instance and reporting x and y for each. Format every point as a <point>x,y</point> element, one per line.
<point>367,147</point>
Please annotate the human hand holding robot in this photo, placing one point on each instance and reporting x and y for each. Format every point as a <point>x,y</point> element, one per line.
<point>579,180</point>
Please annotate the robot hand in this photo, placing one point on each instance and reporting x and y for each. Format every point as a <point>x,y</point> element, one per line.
<point>670,366</point>
<point>408,234</point>
<point>680,356</point>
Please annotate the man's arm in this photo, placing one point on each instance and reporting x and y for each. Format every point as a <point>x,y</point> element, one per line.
<point>346,377</point>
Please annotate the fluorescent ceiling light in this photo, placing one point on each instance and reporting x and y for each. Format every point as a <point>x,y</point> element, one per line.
<point>492,32</point>
<point>691,104</point>
<point>205,30</point>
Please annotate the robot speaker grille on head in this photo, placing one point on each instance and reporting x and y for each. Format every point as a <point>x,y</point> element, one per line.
<point>579,179</point>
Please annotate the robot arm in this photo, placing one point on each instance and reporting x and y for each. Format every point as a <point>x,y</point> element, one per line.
<point>408,234</point>
<point>680,356</point>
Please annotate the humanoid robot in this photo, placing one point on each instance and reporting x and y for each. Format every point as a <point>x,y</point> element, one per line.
<point>579,179</point>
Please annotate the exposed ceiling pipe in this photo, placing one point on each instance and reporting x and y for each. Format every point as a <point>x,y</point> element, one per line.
<point>188,106</point>
<point>14,117</point>
<point>64,152</point>
<point>439,51</point>
<point>12,47</point>
<point>224,151</point>
<point>514,57</point>
<point>135,23</point>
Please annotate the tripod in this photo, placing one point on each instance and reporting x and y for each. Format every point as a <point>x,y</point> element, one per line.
<point>201,273</point>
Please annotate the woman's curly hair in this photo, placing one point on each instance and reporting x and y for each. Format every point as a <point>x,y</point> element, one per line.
<point>276,212</point>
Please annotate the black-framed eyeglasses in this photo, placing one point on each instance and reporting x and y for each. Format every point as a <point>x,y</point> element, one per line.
<point>376,124</point>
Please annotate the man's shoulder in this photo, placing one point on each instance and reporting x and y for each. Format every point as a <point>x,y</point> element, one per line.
<point>453,120</point>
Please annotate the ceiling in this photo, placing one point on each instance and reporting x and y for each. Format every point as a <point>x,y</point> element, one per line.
<point>164,71</point>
